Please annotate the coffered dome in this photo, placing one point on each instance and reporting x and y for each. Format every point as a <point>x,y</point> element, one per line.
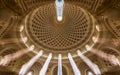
<point>44,31</point>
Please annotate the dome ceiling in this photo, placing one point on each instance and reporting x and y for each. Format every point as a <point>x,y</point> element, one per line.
<point>44,31</point>
<point>33,40</point>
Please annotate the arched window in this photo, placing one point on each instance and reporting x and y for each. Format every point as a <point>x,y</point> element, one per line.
<point>30,73</point>
<point>89,73</point>
<point>63,70</point>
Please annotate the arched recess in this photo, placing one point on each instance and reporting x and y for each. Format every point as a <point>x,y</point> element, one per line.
<point>35,68</point>
<point>5,24</point>
<point>9,4</point>
<point>113,25</point>
<point>64,70</point>
<point>82,67</point>
<point>89,72</point>
<point>19,62</point>
<point>9,50</point>
<point>111,51</point>
<point>30,73</point>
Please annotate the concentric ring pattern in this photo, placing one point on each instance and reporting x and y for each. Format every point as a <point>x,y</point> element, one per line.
<point>74,30</point>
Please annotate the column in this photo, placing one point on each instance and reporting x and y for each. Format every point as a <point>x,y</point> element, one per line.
<point>59,64</point>
<point>108,57</point>
<point>25,68</point>
<point>73,64</point>
<point>91,65</point>
<point>11,57</point>
<point>46,64</point>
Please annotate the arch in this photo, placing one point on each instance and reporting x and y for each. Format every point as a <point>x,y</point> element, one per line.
<point>30,73</point>
<point>10,49</point>
<point>36,68</point>
<point>111,50</point>
<point>64,70</point>
<point>89,72</point>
